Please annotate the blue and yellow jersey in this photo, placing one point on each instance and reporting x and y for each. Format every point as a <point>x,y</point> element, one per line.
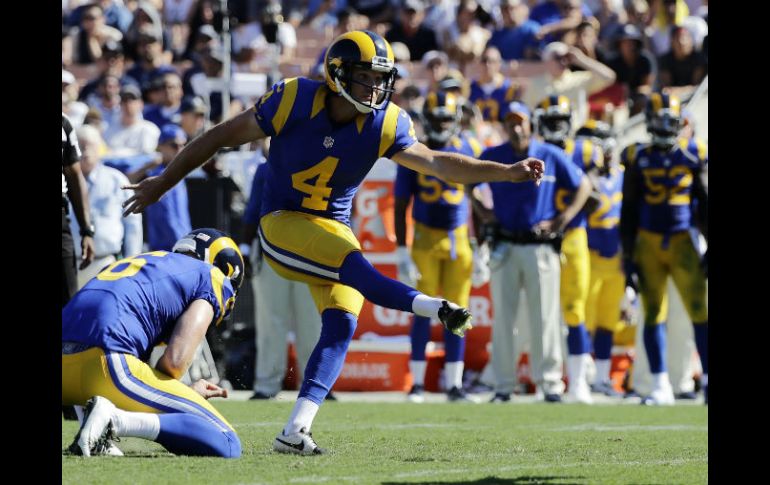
<point>315,165</point>
<point>666,182</point>
<point>587,156</point>
<point>520,206</point>
<point>492,105</point>
<point>604,222</point>
<point>133,304</point>
<point>437,204</point>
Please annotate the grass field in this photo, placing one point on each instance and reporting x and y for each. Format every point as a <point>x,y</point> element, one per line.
<point>392,443</point>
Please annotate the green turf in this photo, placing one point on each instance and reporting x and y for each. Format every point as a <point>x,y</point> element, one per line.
<point>393,443</point>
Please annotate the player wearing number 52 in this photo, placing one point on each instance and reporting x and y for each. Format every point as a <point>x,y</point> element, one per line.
<point>325,137</point>
<point>110,327</point>
<point>664,181</point>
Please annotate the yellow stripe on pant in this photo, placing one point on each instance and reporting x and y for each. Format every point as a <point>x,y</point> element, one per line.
<point>311,249</point>
<point>439,273</point>
<point>131,385</point>
<point>575,275</point>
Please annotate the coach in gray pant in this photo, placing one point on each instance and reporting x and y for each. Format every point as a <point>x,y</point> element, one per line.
<point>525,253</point>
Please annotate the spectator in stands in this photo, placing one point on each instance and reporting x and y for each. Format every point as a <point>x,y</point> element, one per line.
<point>107,101</point>
<point>92,33</point>
<point>681,66</point>
<point>634,66</point>
<point>132,135</point>
<point>440,15</point>
<point>611,16</point>
<point>150,61</point>
<point>587,40</point>
<point>465,40</point>
<point>193,112</point>
<point>411,31</point>
<point>436,65</point>
<point>112,62</point>
<point>321,14</point>
<point>558,17</point>
<point>516,39</point>
<point>167,110</point>
<point>666,14</point>
<point>196,84</point>
<point>175,16</point>
<point>559,79</point>
<point>115,14</point>
<point>70,106</point>
<point>147,21</point>
<point>267,39</point>
<point>203,13</point>
<point>377,11</point>
<point>492,91</point>
<point>168,219</point>
<point>115,236</point>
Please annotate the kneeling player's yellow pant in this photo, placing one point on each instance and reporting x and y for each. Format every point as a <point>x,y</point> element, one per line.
<point>575,274</point>
<point>311,249</point>
<point>131,385</point>
<point>677,257</point>
<point>445,261</point>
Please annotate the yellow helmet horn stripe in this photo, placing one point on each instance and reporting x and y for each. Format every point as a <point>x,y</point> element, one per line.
<point>220,244</point>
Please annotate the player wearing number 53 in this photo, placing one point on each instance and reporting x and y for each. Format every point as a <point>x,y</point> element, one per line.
<point>110,327</point>
<point>325,137</point>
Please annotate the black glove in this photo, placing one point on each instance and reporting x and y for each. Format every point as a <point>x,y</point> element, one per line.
<point>632,274</point>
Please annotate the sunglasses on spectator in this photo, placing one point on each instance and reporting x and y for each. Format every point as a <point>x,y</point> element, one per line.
<point>487,60</point>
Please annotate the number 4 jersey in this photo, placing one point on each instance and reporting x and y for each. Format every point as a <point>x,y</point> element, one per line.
<point>316,165</point>
<point>133,304</point>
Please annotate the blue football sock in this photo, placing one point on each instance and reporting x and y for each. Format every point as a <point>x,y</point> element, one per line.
<point>655,346</point>
<point>419,336</point>
<point>325,363</point>
<point>578,340</point>
<point>454,347</point>
<point>603,344</point>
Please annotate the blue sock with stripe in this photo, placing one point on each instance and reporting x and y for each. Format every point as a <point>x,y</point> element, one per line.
<point>325,363</point>
<point>358,273</point>
<point>578,340</point>
<point>188,434</point>
<point>603,344</point>
<point>702,344</point>
<point>454,347</point>
<point>655,346</point>
<point>419,336</point>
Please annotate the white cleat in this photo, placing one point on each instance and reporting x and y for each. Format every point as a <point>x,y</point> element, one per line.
<point>299,443</point>
<point>579,393</point>
<point>660,397</point>
<point>96,432</point>
<point>415,394</point>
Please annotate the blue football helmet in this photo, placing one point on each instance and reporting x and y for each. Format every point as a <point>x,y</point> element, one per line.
<point>214,247</point>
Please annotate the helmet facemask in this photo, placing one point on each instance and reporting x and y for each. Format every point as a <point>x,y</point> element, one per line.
<point>380,94</point>
<point>441,125</point>
<point>664,127</point>
<point>554,128</point>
